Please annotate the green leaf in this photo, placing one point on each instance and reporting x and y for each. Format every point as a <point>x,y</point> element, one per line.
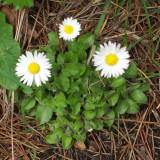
<point>50,50</point>
<point>122,106</point>
<point>40,92</point>
<point>29,104</point>
<point>18,4</point>
<point>73,98</point>
<point>55,69</point>
<point>54,137</point>
<point>145,86</point>
<point>53,38</point>
<point>88,126</point>
<point>61,120</point>
<point>131,72</point>
<point>110,114</point>
<point>122,90</point>
<point>71,69</point>
<point>80,136</point>
<point>97,124</point>
<point>43,114</point>
<point>82,54</point>
<point>73,47</point>
<point>69,57</point>
<point>67,142</point>
<point>134,86</point>
<point>89,106</point>
<point>132,106</point>
<point>68,132</point>
<point>53,125</point>
<point>73,88</point>
<point>86,40</point>
<point>113,99</point>
<point>117,82</point>
<point>9,54</point>
<point>138,96</point>
<point>76,108</point>
<point>82,70</point>
<point>100,111</point>
<point>61,111</point>
<point>62,82</point>
<point>60,58</point>
<point>59,100</point>
<point>77,125</point>
<point>89,114</point>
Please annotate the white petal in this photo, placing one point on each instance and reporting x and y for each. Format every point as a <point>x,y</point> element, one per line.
<point>99,60</point>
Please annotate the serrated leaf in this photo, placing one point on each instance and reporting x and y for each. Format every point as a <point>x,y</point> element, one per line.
<point>110,114</point>
<point>40,93</point>
<point>132,107</point>
<point>100,111</point>
<point>80,136</point>
<point>89,114</point>
<point>135,86</point>
<point>59,100</point>
<point>82,54</point>
<point>76,108</point>
<point>114,98</point>
<point>43,114</point>
<point>61,111</point>
<point>61,120</point>
<point>131,72</point>
<point>122,106</point>
<point>97,124</point>
<point>85,41</point>
<point>73,98</point>
<point>117,82</point>
<point>138,96</point>
<point>9,54</point>
<point>77,125</point>
<point>87,126</point>
<point>53,39</point>
<point>55,69</point>
<point>69,57</point>
<point>67,142</point>
<point>54,137</point>
<point>145,86</point>
<point>18,4</point>
<point>29,104</point>
<point>60,58</point>
<point>73,46</point>
<point>89,106</point>
<point>71,69</point>
<point>122,90</point>
<point>62,82</point>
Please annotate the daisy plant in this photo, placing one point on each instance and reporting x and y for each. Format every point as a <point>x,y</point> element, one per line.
<point>76,96</point>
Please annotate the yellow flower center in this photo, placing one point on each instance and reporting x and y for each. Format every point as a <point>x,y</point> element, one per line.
<point>68,29</point>
<point>111,59</point>
<point>34,68</point>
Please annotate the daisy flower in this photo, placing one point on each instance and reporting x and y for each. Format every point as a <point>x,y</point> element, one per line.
<point>111,59</point>
<point>33,67</point>
<point>69,29</point>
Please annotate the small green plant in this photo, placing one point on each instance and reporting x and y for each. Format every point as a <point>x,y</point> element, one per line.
<point>19,4</point>
<point>74,98</point>
<point>74,95</point>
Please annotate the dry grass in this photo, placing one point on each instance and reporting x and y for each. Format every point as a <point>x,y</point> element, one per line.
<point>136,137</point>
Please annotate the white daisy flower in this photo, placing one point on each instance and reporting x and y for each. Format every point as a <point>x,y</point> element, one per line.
<point>111,59</point>
<point>33,67</point>
<point>69,29</point>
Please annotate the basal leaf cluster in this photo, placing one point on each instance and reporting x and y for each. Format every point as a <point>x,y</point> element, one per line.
<point>71,103</point>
